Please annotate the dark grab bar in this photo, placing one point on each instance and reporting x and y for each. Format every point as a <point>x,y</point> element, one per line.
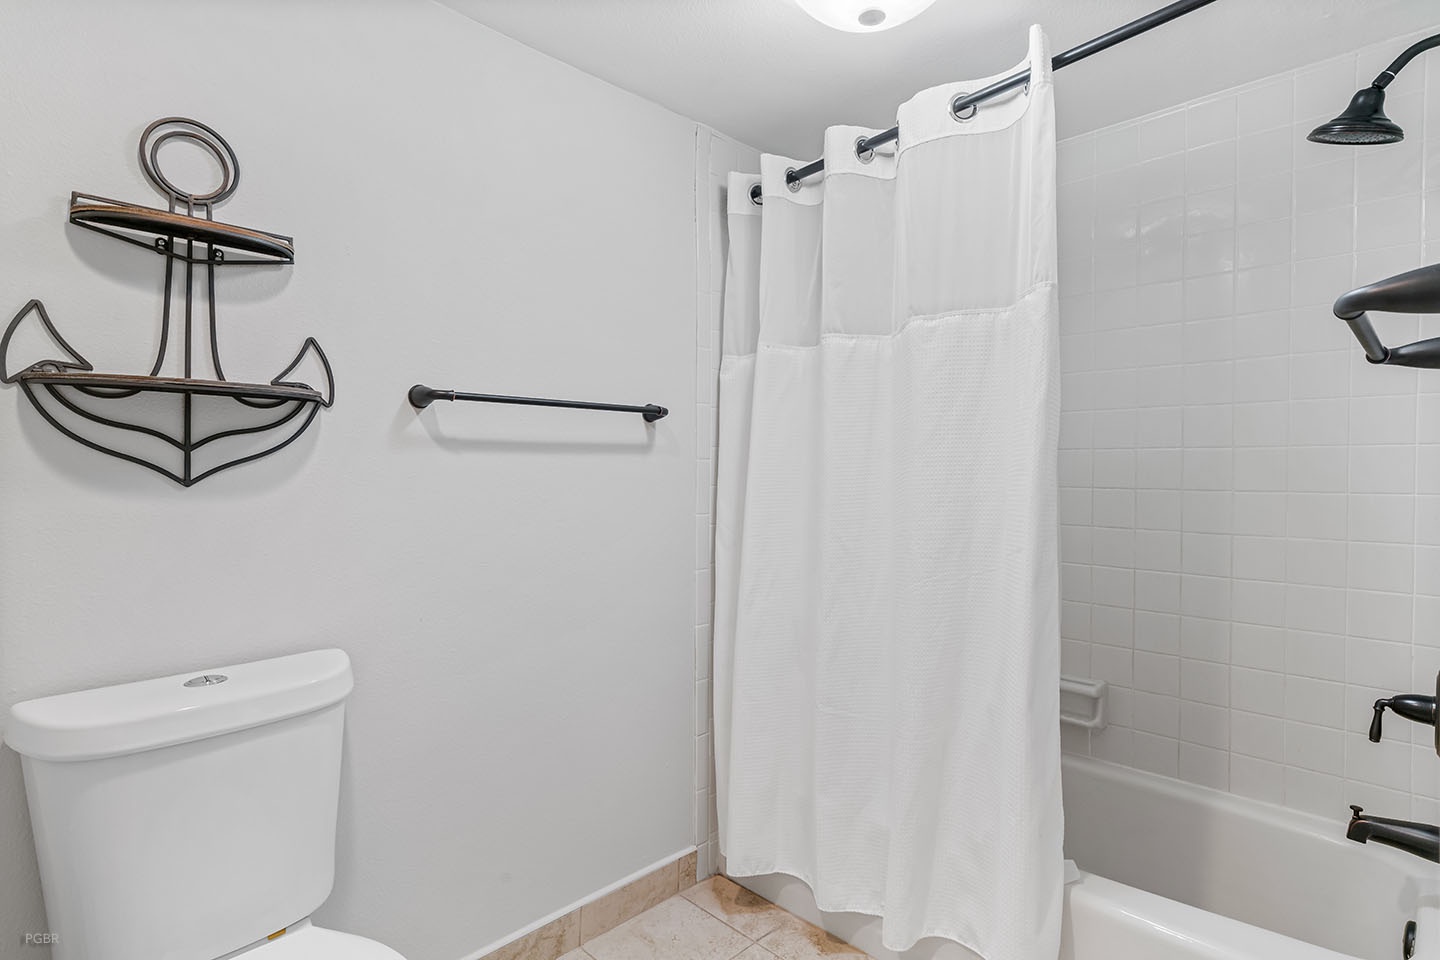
<point>1417,291</point>
<point>422,396</point>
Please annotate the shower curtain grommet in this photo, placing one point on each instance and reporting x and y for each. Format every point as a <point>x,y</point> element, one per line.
<point>863,155</point>
<point>791,183</point>
<point>961,116</point>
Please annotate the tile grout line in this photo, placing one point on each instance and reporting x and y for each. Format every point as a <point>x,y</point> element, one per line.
<point>722,919</point>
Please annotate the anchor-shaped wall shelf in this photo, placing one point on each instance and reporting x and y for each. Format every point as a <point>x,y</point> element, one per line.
<point>223,423</point>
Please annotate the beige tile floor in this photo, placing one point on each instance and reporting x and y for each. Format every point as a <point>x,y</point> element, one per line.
<point>716,919</point>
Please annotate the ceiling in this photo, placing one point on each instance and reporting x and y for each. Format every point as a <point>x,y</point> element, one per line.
<point>766,74</point>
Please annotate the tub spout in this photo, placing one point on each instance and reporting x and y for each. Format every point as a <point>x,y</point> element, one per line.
<point>1420,839</point>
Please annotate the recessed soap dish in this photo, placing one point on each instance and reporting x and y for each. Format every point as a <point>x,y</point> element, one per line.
<point>1082,702</point>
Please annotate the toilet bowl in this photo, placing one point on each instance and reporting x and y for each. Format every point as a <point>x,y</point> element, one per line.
<point>191,817</point>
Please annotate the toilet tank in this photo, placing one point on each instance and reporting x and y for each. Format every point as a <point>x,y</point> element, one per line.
<point>186,817</point>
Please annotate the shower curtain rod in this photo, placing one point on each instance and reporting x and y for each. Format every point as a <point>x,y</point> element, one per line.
<point>1074,55</point>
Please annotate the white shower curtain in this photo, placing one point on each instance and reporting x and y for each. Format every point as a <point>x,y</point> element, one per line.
<point>886,617</point>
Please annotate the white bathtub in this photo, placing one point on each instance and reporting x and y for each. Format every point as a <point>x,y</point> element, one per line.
<point>1172,871</point>
<point>1175,870</point>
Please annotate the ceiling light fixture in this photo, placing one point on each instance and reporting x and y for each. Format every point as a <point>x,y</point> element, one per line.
<point>863,16</point>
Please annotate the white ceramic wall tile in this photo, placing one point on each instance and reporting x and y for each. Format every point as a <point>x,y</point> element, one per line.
<point>1265,106</point>
<point>1162,135</point>
<point>1251,512</point>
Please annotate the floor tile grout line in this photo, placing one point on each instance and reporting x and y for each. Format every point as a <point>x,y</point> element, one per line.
<point>582,953</point>
<point>723,919</point>
<point>726,922</point>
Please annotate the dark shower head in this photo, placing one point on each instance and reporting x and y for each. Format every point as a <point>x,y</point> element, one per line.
<point>1363,122</point>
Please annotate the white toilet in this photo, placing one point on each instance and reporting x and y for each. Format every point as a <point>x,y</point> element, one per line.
<point>191,817</point>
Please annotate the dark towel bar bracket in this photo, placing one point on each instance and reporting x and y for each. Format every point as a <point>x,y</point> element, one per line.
<point>422,396</point>
<point>1417,291</point>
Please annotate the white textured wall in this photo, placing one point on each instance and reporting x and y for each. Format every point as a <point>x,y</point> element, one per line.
<point>1251,512</point>
<point>515,586</point>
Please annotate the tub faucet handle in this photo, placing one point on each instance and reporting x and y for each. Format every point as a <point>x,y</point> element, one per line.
<point>1411,706</point>
<point>1377,721</point>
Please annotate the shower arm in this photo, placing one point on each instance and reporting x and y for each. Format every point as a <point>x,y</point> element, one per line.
<point>1413,51</point>
<point>1417,291</point>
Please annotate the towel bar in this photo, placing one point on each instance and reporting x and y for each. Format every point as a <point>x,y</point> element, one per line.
<point>422,396</point>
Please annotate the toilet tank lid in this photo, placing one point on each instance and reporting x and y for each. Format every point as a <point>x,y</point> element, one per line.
<point>131,717</point>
